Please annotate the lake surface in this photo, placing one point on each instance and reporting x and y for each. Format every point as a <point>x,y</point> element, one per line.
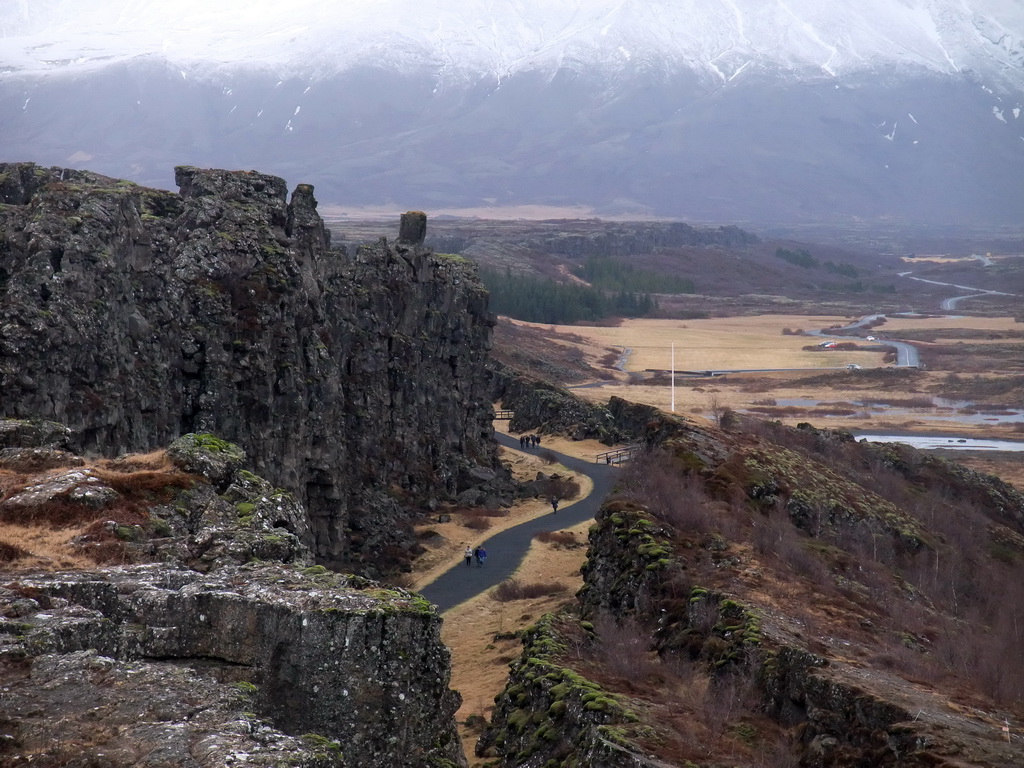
<point>941,409</point>
<point>931,442</point>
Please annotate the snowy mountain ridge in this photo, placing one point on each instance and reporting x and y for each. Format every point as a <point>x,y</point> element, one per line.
<point>720,39</point>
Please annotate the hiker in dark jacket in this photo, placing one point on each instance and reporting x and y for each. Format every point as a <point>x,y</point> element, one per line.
<point>554,504</point>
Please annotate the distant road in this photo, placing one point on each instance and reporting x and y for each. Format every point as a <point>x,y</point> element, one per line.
<point>907,355</point>
<point>951,303</point>
<point>506,550</point>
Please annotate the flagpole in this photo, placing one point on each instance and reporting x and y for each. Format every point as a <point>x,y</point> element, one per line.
<point>673,377</point>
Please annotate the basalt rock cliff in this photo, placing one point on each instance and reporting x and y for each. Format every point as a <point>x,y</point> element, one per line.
<point>354,379</point>
<point>191,628</point>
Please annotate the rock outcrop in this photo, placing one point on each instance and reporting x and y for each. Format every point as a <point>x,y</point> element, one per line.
<point>356,380</point>
<point>312,652</point>
<point>549,714</point>
<point>220,643</point>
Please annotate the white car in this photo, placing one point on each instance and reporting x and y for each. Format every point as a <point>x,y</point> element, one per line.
<point>871,338</point>
<point>852,367</point>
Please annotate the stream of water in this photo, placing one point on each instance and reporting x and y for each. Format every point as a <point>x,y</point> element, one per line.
<point>927,442</point>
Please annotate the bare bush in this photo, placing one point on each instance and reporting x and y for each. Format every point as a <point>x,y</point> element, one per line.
<point>777,753</point>
<point>702,616</point>
<point>625,648</point>
<point>477,523</point>
<point>548,457</point>
<point>562,487</point>
<point>565,539</point>
<point>477,518</point>
<point>514,589</point>
<point>671,495</point>
<point>729,696</point>
<point>10,552</point>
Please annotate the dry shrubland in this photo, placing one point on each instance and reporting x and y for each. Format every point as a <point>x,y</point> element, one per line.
<point>63,531</point>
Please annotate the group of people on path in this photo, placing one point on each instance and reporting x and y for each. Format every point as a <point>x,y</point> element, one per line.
<point>480,554</point>
<point>529,441</point>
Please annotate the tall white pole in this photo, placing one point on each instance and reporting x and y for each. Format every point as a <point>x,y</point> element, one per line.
<point>673,377</point>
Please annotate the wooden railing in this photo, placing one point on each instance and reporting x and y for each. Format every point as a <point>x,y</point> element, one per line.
<point>617,455</point>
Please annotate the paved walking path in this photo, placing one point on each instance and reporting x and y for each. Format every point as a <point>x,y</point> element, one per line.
<point>506,550</point>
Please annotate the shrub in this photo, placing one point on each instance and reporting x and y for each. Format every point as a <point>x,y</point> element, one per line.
<point>10,552</point>
<point>547,457</point>
<point>514,589</point>
<point>672,496</point>
<point>559,538</point>
<point>562,487</point>
<point>625,648</point>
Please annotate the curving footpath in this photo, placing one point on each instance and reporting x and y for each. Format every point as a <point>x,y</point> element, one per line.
<point>506,550</point>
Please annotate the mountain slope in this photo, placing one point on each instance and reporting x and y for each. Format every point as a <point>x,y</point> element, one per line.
<point>707,111</point>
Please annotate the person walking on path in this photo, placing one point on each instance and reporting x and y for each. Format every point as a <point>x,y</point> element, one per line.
<point>536,440</point>
<point>554,504</point>
<point>481,555</point>
<point>468,554</point>
<point>522,442</point>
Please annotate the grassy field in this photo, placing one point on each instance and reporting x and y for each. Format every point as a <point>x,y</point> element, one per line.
<point>723,343</point>
<point>902,401</point>
<point>936,323</point>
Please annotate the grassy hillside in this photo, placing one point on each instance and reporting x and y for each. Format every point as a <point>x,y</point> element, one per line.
<point>766,595</point>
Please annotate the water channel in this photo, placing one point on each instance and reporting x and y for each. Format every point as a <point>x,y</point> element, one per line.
<point>932,442</point>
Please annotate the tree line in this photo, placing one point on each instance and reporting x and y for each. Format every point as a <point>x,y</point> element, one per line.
<point>801,257</point>
<point>541,300</point>
<point>612,275</point>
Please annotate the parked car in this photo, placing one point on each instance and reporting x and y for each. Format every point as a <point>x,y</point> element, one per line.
<point>853,367</point>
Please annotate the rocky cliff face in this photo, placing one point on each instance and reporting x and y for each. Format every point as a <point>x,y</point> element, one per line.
<point>355,379</point>
<point>358,665</point>
<point>219,644</point>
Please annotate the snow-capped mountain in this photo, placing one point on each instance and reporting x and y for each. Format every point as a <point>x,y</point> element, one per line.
<point>720,38</point>
<point>721,109</point>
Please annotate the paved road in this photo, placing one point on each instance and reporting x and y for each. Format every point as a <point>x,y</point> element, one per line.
<point>952,302</point>
<point>505,550</point>
<point>907,355</point>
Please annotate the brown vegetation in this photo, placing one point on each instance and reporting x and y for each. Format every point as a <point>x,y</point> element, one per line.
<point>516,589</point>
<point>558,538</point>
<point>61,530</point>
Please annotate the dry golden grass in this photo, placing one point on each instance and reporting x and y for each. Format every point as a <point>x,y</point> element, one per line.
<point>937,258</point>
<point>757,342</point>
<point>720,343</point>
<point>479,661</point>
<point>1010,469</point>
<point>46,532</point>
<point>933,323</point>
<point>47,549</point>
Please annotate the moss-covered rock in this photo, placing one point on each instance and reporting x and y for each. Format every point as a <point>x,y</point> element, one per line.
<point>203,454</point>
<point>549,714</point>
